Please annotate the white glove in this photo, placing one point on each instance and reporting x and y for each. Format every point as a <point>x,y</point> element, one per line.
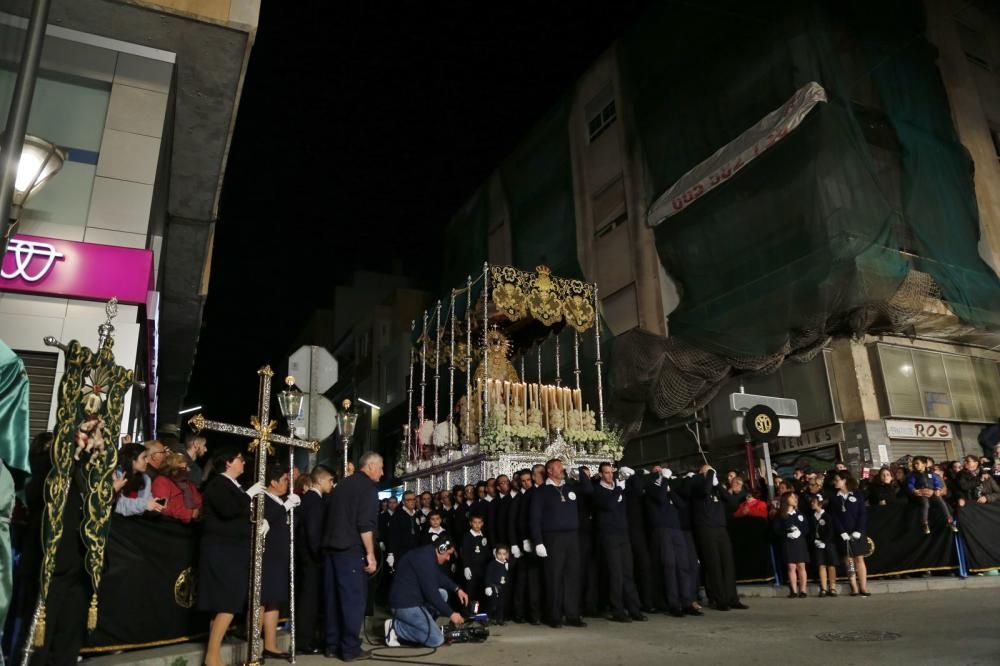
<point>468,573</point>
<point>819,544</point>
<point>390,559</point>
<point>666,473</point>
<point>515,551</point>
<point>621,484</point>
<point>265,528</point>
<point>855,535</point>
<point>489,591</point>
<point>381,545</point>
<point>845,536</point>
<point>715,478</point>
<point>540,550</point>
<point>574,474</point>
<point>626,471</point>
<point>527,545</point>
<point>795,533</point>
<point>292,502</point>
<point>256,489</point>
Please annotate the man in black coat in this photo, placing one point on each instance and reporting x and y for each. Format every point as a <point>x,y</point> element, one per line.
<point>611,521</point>
<point>527,568</point>
<point>309,569</point>
<point>642,565</point>
<point>555,522</point>
<point>404,530</point>
<point>708,514</point>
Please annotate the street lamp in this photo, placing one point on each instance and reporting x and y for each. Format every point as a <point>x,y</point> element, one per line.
<point>346,420</point>
<point>40,160</point>
<point>290,402</point>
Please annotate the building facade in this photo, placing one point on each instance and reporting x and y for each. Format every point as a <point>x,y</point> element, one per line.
<point>123,90</point>
<point>897,358</point>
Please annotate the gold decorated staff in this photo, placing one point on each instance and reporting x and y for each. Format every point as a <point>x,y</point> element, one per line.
<point>261,434</point>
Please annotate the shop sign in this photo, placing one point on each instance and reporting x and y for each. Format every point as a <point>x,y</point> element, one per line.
<point>902,429</point>
<point>810,439</point>
<point>70,269</point>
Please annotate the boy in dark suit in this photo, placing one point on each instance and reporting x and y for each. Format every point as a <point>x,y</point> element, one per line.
<point>309,568</point>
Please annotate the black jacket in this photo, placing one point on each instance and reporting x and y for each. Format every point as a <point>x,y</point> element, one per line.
<point>708,502</point>
<point>309,526</point>
<point>417,581</point>
<point>610,515</point>
<point>553,509</point>
<point>404,533</point>
<point>225,511</point>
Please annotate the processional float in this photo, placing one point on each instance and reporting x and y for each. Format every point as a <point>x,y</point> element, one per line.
<point>505,422</point>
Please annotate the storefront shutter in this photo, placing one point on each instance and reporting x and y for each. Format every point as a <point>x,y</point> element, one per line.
<point>41,368</point>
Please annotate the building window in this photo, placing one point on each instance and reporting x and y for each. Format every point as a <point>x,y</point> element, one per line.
<point>600,113</point>
<point>621,310</point>
<point>41,369</point>
<point>920,383</point>
<point>609,207</point>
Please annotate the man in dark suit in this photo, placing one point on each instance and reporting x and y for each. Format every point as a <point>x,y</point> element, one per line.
<point>309,568</point>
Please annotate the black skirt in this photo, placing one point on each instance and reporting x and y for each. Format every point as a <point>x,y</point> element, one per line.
<point>796,550</point>
<point>223,577</point>
<point>828,556</point>
<point>858,546</point>
<point>275,576</point>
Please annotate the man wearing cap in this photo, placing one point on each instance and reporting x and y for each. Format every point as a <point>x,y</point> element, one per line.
<point>419,594</point>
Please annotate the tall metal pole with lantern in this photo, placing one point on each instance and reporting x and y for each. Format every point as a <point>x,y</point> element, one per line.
<point>290,401</point>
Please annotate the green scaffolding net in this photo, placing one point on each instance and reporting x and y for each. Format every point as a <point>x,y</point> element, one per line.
<point>843,227</point>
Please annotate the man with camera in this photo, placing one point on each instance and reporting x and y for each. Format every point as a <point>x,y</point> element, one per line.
<point>419,594</point>
<point>976,485</point>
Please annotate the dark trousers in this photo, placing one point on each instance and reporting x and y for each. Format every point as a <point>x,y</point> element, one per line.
<point>643,570</point>
<point>717,561</point>
<point>345,590</point>
<point>528,588</point>
<point>65,619</point>
<point>308,589</point>
<point>622,594</point>
<point>494,604</point>
<point>588,573</point>
<point>692,551</point>
<point>562,576</point>
<point>676,567</point>
<point>925,507</point>
<point>507,599</point>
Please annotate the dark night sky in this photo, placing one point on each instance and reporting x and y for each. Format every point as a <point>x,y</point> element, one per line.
<point>362,127</point>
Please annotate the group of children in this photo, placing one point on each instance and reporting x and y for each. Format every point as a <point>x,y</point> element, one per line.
<point>833,532</point>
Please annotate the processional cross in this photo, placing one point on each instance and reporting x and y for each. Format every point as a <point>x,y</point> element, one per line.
<point>261,432</point>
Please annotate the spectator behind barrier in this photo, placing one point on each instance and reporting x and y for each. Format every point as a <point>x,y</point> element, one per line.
<point>976,485</point>
<point>133,487</point>
<point>926,487</point>
<point>883,489</point>
<point>174,484</point>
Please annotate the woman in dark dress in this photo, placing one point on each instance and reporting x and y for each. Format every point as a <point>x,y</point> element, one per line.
<point>225,549</point>
<point>850,520</point>
<point>275,575</point>
<point>793,530</point>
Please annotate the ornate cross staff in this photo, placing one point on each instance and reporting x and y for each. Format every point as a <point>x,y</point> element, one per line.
<point>261,434</point>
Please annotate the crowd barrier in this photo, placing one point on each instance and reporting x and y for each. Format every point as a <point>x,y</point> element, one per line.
<point>147,597</point>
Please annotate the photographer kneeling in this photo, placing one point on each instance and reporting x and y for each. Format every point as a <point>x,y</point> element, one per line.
<point>419,594</point>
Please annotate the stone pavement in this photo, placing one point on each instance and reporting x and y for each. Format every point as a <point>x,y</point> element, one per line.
<point>937,621</point>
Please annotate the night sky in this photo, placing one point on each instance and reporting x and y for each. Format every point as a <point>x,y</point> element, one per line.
<point>362,127</point>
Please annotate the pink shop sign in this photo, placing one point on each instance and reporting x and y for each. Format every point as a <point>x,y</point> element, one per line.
<point>69,269</point>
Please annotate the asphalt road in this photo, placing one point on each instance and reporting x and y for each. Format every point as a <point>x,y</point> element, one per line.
<point>942,627</point>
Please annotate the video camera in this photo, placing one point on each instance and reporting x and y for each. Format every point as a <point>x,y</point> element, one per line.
<point>475,630</point>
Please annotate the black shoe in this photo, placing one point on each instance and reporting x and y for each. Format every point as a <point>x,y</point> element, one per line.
<point>576,622</point>
<point>555,625</point>
<point>722,607</point>
<point>518,620</point>
<point>832,592</point>
<point>792,595</point>
<point>675,612</point>
<point>648,609</point>
<point>739,605</point>
<point>802,595</point>
<point>277,655</point>
<point>865,594</point>
<point>312,650</point>
<point>536,623</point>
<point>361,656</point>
<point>330,653</point>
<point>691,610</point>
<point>639,617</point>
<point>620,618</point>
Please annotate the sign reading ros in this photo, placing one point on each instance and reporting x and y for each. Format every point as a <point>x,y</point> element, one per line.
<point>899,429</point>
<point>69,269</point>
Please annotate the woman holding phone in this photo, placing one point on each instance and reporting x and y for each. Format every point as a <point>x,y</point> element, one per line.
<point>133,488</point>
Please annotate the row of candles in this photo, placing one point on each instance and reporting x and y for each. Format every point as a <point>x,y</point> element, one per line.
<point>542,397</point>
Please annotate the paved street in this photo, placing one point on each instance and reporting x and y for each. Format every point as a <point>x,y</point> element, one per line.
<point>944,627</point>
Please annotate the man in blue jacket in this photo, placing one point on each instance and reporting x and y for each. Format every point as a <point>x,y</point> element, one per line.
<point>419,594</point>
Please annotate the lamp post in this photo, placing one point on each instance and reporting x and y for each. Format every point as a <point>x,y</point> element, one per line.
<point>17,116</point>
<point>346,420</point>
<point>290,401</point>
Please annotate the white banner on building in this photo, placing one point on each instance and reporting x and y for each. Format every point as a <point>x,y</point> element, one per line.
<point>901,429</point>
<point>728,160</point>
